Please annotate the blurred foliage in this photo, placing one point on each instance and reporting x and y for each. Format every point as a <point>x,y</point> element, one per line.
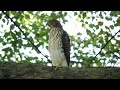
<point>33,23</point>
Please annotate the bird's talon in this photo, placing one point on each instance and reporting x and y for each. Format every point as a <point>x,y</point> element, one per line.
<point>56,68</point>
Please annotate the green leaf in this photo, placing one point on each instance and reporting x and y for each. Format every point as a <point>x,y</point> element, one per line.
<point>79,51</point>
<point>118,42</point>
<point>113,61</point>
<point>100,23</point>
<point>72,38</point>
<point>91,25</point>
<point>20,43</point>
<point>18,33</point>
<point>106,27</point>
<point>43,40</point>
<point>114,13</point>
<point>35,27</point>
<point>86,22</point>
<point>111,26</point>
<point>13,43</point>
<point>16,49</point>
<point>84,15</point>
<point>83,25</point>
<point>27,16</point>
<point>101,15</point>
<point>4,43</point>
<point>21,17</point>
<point>65,21</point>
<point>13,35</point>
<point>75,13</point>
<point>18,24</point>
<point>37,57</point>
<point>86,43</point>
<point>23,26</point>
<point>31,12</point>
<point>65,13</point>
<point>13,12</point>
<point>118,22</point>
<point>42,33</point>
<point>100,40</point>
<point>99,64</point>
<point>11,53</point>
<point>3,20</point>
<point>6,34</point>
<point>78,41</point>
<point>101,32</point>
<point>78,57</point>
<point>28,45</point>
<point>53,15</point>
<point>7,49</point>
<point>89,32</point>
<point>11,26</point>
<point>97,26</point>
<point>108,18</point>
<point>28,59</point>
<point>1,39</point>
<point>108,55</point>
<point>75,48</point>
<point>93,18</point>
<point>46,47</point>
<point>78,34</point>
<point>118,35</point>
<point>94,42</point>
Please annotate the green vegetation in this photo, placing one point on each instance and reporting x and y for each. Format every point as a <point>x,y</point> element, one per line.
<point>22,29</point>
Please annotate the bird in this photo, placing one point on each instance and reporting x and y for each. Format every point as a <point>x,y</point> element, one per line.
<point>58,44</point>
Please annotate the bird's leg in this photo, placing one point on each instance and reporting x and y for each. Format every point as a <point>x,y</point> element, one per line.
<point>57,66</point>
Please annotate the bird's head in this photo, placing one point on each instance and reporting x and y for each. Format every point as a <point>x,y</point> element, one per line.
<point>54,23</point>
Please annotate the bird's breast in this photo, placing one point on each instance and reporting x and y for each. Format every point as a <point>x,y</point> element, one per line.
<point>55,49</point>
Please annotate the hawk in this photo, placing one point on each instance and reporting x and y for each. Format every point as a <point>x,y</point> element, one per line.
<point>59,44</point>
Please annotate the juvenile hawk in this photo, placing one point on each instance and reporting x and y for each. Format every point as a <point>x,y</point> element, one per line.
<point>59,44</point>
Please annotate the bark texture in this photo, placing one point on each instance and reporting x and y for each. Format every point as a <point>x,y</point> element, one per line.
<point>10,70</point>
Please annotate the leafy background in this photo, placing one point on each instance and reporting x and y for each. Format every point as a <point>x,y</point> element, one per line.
<point>97,46</point>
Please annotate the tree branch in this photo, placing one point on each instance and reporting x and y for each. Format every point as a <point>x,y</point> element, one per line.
<point>102,48</point>
<point>25,35</point>
<point>12,70</point>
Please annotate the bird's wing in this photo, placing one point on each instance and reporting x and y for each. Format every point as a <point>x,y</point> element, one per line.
<point>66,46</point>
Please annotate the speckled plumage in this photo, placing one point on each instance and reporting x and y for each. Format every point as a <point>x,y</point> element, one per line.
<point>59,44</point>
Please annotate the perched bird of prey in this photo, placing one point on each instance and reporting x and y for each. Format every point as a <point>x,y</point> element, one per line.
<point>59,44</point>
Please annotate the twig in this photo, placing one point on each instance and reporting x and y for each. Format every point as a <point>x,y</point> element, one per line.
<point>102,48</point>
<point>25,35</point>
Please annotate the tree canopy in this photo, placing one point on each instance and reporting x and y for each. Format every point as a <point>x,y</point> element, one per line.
<point>24,33</point>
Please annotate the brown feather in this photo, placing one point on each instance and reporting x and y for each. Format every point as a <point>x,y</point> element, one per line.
<point>66,46</point>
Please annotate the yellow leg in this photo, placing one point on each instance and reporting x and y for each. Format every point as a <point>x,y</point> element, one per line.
<point>56,67</point>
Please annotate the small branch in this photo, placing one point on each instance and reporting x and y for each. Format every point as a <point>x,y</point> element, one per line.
<point>24,34</point>
<point>102,48</point>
